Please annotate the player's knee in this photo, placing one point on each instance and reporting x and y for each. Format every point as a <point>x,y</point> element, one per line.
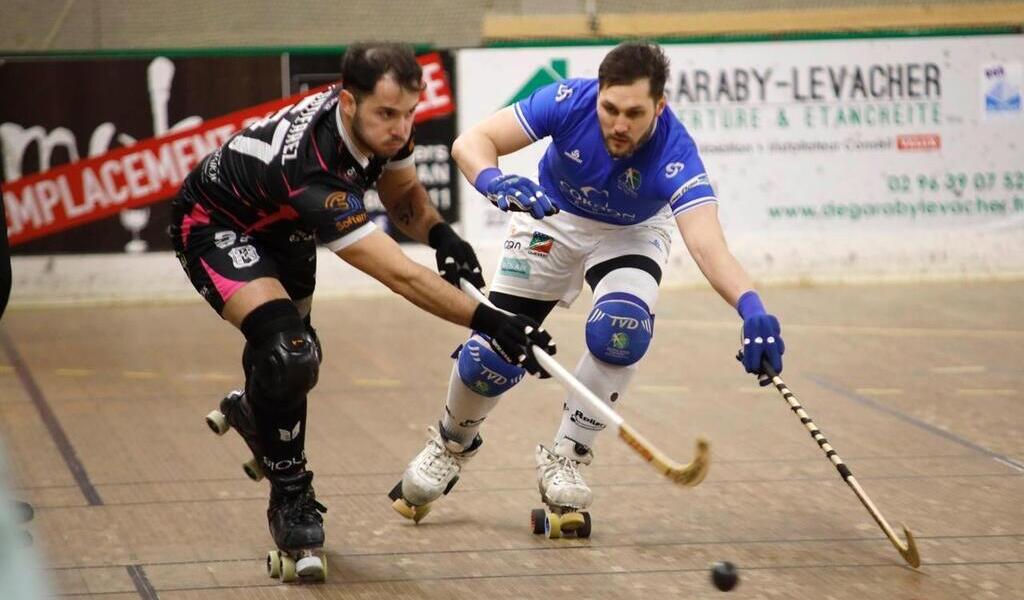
<point>483,371</point>
<point>283,367</point>
<point>619,329</point>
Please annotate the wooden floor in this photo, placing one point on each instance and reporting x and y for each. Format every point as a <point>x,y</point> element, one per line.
<point>920,389</point>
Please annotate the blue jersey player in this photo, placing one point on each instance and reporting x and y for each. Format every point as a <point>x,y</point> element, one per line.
<point>618,171</point>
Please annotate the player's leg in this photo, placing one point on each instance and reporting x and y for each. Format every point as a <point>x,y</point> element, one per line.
<point>238,276</point>
<point>478,379</point>
<point>624,273</point>
<point>528,281</point>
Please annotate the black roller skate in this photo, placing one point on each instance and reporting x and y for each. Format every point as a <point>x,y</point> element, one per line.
<point>235,411</point>
<point>297,528</point>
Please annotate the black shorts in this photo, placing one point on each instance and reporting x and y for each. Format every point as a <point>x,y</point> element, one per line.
<point>219,259</point>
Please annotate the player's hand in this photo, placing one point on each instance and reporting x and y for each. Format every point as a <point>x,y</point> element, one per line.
<point>513,336</point>
<point>455,257</point>
<point>762,340</point>
<point>512,193</point>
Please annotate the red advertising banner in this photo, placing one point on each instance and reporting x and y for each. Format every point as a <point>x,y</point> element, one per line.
<point>151,170</point>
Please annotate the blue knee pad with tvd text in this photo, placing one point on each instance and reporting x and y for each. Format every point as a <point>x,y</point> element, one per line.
<point>483,371</point>
<point>619,328</point>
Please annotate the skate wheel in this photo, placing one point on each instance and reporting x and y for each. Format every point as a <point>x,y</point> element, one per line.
<point>274,564</point>
<point>571,521</point>
<point>537,520</point>
<point>552,526</point>
<point>584,529</point>
<point>252,469</point>
<point>288,572</point>
<point>422,512</point>
<point>310,567</point>
<point>217,422</point>
<point>404,508</point>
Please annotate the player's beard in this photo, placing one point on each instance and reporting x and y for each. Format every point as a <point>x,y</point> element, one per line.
<point>358,133</point>
<point>633,145</point>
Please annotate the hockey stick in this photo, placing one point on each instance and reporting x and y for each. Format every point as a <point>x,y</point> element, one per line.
<point>688,475</point>
<point>909,550</point>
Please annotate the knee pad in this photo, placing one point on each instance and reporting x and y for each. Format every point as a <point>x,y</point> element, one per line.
<point>483,371</point>
<point>283,368</point>
<point>619,329</point>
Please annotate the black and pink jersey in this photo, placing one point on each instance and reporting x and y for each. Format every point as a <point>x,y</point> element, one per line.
<point>295,172</point>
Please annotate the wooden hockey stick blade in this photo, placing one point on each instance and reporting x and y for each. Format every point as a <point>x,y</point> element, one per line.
<point>687,475</point>
<point>909,553</point>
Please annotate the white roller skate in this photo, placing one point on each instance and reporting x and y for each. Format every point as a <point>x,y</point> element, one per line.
<point>563,490</point>
<point>430,475</point>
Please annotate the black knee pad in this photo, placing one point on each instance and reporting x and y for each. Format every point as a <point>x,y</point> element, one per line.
<point>283,367</point>
<point>316,340</point>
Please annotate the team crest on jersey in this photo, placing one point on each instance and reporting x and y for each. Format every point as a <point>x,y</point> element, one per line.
<point>243,256</point>
<point>629,181</point>
<point>541,244</point>
<point>337,201</point>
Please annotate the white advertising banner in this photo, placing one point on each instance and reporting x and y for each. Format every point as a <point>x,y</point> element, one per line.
<point>833,159</point>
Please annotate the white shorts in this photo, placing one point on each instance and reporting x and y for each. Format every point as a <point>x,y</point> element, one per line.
<point>546,259</point>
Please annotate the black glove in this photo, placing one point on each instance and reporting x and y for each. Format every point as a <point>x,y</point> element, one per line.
<point>455,257</point>
<point>512,336</point>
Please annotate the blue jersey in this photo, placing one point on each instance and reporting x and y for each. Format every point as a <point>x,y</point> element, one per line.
<point>583,179</point>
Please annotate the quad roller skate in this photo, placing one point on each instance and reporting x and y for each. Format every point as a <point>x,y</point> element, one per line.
<point>563,490</point>
<point>235,411</point>
<point>432,474</point>
<point>296,525</point>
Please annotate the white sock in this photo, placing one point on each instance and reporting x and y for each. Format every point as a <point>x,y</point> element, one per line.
<point>465,410</point>
<point>608,382</point>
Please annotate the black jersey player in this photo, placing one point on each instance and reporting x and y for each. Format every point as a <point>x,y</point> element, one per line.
<point>246,227</point>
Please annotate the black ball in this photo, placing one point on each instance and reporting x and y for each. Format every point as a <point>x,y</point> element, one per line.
<point>724,575</point>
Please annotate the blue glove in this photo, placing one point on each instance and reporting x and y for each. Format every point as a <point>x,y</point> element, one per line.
<point>762,337</point>
<point>514,193</point>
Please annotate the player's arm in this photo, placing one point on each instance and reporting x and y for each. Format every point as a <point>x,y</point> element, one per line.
<point>476,153</point>
<point>410,209</point>
<point>702,233</point>
<point>380,257</point>
<point>407,202</point>
<point>480,147</point>
<point>762,335</point>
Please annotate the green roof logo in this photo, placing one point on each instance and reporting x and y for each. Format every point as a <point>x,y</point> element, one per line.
<point>557,70</point>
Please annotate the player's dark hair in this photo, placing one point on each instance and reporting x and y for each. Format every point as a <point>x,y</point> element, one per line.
<point>631,61</point>
<point>364,64</point>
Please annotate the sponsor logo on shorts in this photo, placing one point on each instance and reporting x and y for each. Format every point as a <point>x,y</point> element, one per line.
<point>515,267</point>
<point>512,245</point>
<point>541,244</point>
<point>244,256</point>
<point>223,239</point>
<point>337,201</point>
